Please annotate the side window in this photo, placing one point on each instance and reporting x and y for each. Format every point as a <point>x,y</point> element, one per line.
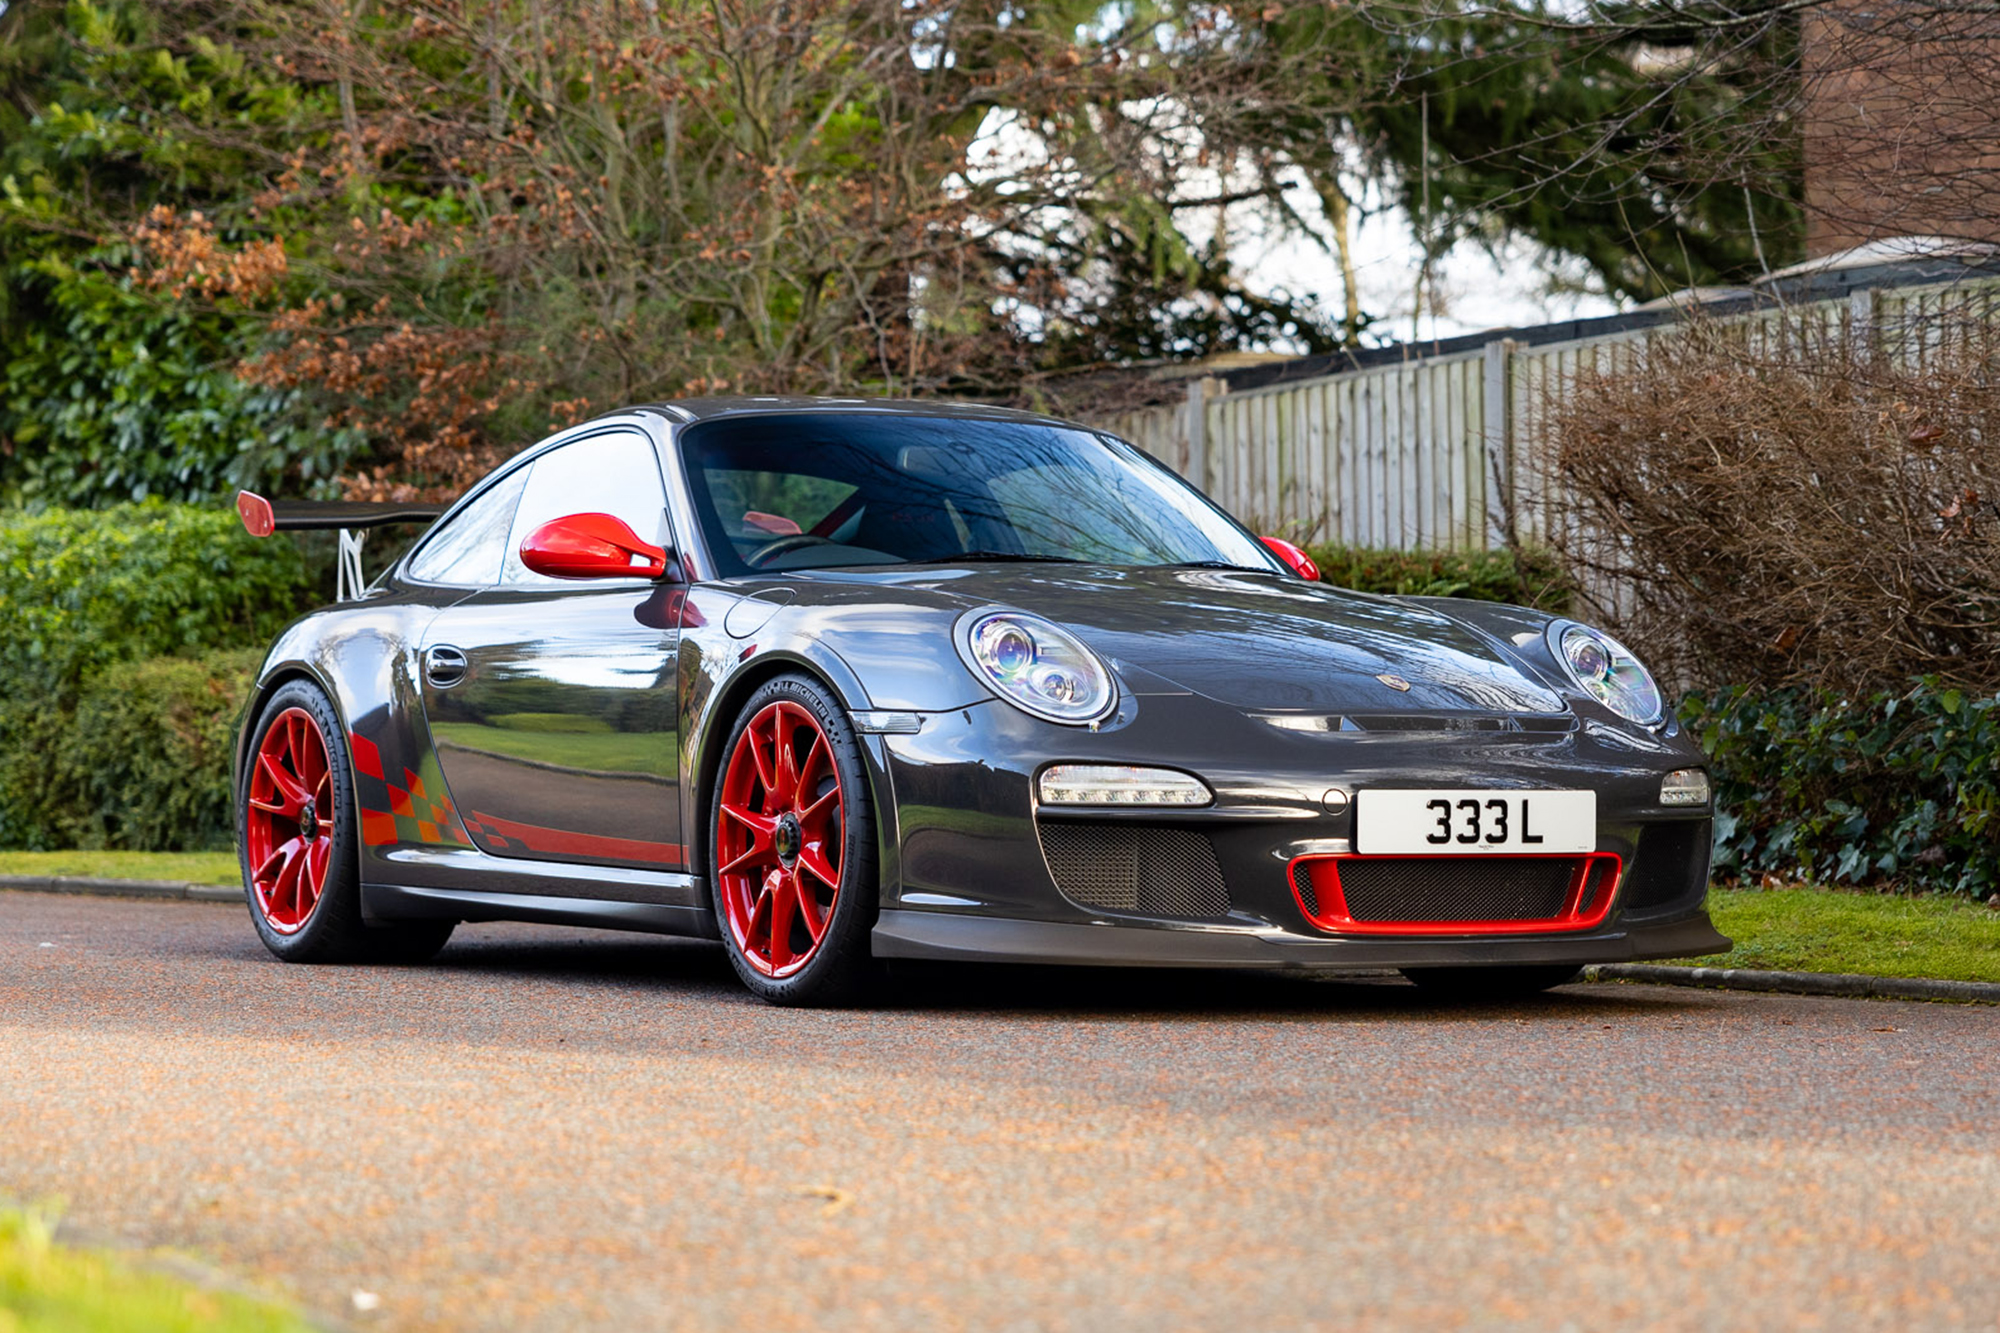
<point>468,550</point>
<point>616,474</point>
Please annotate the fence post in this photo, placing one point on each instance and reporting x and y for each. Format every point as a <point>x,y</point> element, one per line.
<point>1497,437</point>
<point>1864,324</point>
<point>1197,434</point>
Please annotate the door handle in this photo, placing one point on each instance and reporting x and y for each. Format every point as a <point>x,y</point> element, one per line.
<point>444,665</point>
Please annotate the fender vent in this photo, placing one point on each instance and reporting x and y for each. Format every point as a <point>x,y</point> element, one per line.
<point>1134,868</point>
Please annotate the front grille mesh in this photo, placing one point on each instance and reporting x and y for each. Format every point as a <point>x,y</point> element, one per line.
<point>1133,868</point>
<point>1455,888</point>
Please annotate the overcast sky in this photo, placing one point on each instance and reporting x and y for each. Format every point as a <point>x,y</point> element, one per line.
<point>1476,290</point>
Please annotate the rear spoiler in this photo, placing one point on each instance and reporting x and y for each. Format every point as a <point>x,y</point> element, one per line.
<point>262,517</point>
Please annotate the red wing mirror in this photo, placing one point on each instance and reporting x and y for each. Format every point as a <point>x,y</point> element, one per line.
<point>591,546</point>
<point>1299,562</point>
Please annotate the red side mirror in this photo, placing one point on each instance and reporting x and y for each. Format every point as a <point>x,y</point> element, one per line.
<point>1299,562</point>
<point>591,546</point>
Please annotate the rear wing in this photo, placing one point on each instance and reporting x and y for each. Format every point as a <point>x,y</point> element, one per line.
<point>263,517</point>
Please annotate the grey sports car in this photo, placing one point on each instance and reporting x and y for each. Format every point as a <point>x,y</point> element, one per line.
<point>835,682</point>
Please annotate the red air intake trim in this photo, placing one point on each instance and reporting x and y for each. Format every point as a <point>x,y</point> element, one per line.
<point>1593,879</point>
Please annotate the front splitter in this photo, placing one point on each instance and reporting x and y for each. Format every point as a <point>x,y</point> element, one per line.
<point>944,936</point>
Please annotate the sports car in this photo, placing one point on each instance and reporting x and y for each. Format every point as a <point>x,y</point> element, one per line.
<point>835,682</point>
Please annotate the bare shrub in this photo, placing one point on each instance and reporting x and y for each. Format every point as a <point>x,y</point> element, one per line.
<point>1767,506</point>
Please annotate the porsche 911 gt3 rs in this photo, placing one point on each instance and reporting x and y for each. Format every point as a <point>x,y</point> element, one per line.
<point>838,681</point>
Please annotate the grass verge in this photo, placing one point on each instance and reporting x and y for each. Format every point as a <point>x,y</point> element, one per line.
<point>51,1288</point>
<point>1873,934</point>
<point>186,867</point>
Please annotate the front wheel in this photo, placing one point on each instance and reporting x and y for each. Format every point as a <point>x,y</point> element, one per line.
<point>792,848</point>
<point>295,834</point>
<point>1491,983</point>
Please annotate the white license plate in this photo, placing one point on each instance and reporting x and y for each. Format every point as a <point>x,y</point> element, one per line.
<point>1446,823</point>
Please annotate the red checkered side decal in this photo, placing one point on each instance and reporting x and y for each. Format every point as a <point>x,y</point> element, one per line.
<point>409,812</point>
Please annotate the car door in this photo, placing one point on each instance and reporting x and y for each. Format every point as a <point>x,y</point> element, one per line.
<point>553,703</point>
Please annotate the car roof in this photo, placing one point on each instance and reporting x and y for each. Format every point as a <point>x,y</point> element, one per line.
<point>689,410</point>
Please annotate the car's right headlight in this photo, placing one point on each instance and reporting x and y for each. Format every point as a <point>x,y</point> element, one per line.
<point>1606,670</point>
<point>1036,666</point>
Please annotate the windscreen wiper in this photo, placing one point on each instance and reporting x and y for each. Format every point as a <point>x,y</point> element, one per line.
<point>999,557</point>
<point>1213,564</point>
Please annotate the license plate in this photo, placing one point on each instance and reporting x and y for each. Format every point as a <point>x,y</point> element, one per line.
<point>1465,823</point>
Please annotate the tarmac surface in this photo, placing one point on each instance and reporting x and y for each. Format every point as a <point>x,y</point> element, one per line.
<point>555,1129</point>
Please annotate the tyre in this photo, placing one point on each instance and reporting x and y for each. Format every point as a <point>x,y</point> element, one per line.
<point>791,848</point>
<point>297,841</point>
<point>1491,983</point>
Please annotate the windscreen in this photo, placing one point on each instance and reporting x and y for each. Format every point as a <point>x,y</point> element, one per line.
<point>829,491</point>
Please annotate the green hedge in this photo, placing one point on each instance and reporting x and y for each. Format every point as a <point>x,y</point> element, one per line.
<point>90,599</point>
<point>1900,788</point>
<point>1528,577</point>
<point>148,755</point>
<point>83,589</point>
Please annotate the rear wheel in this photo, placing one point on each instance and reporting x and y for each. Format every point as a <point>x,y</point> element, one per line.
<point>297,842</point>
<point>1491,983</point>
<point>792,848</point>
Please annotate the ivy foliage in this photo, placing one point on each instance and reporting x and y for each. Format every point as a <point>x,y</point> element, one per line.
<point>1898,787</point>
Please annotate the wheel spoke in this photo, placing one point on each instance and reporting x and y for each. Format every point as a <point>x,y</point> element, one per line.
<point>786,729</point>
<point>822,806</point>
<point>814,754</point>
<point>767,777</point>
<point>809,910</point>
<point>288,786</point>
<point>784,898</point>
<point>812,860</point>
<point>761,825</point>
<point>285,888</point>
<point>759,853</point>
<point>760,912</point>
<point>273,868</point>
<point>318,857</point>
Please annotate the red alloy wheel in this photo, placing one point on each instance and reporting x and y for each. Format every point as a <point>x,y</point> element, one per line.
<point>289,826</point>
<point>779,839</point>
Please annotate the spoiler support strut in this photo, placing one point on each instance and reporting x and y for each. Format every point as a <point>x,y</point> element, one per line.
<point>262,517</point>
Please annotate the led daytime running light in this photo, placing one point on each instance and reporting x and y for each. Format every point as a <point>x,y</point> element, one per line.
<point>1112,784</point>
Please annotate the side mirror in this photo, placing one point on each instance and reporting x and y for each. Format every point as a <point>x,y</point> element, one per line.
<point>591,546</point>
<point>1297,560</point>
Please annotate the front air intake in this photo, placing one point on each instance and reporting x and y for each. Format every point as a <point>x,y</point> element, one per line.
<point>1135,868</point>
<point>1455,895</point>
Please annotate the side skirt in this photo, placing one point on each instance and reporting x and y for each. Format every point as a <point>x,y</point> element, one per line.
<point>394,902</point>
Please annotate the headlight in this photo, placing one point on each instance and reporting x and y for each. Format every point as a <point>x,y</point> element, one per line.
<point>1035,666</point>
<point>1605,669</point>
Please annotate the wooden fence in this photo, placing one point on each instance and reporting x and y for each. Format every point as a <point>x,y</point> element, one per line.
<point>1443,452</point>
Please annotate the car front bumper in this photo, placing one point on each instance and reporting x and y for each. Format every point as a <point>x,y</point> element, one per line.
<point>970,870</point>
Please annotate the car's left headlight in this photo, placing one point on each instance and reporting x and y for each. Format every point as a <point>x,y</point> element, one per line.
<point>1036,666</point>
<point>1606,670</point>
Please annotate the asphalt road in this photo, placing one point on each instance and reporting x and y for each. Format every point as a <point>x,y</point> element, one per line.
<point>558,1129</point>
